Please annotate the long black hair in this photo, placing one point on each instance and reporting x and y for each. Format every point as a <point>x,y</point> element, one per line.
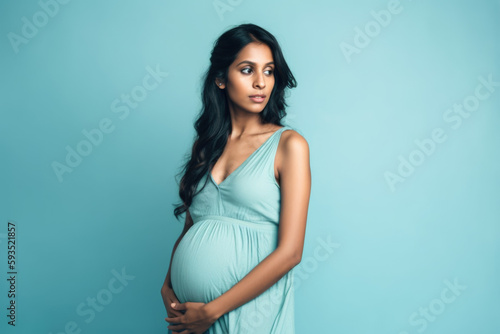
<point>213,124</point>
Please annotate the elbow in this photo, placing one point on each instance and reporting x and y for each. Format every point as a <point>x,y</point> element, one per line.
<point>296,259</point>
<point>291,256</point>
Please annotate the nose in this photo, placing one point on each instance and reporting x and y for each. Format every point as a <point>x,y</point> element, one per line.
<point>259,81</point>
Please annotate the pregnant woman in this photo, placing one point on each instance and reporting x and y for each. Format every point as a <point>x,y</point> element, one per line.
<point>245,191</point>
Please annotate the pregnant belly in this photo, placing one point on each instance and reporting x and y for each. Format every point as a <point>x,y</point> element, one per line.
<point>214,255</point>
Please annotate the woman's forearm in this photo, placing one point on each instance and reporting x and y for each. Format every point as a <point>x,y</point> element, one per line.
<point>258,280</point>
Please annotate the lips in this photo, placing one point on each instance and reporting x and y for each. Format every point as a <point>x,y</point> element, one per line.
<point>259,98</point>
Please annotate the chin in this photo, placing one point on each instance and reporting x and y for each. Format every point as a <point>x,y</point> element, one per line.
<point>258,111</point>
<point>258,108</point>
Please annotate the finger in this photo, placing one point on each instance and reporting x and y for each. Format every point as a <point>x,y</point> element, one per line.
<point>174,320</point>
<point>182,306</point>
<point>178,327</point>
<point>174,314</point>
<point>173,299</point>
<point>174,311</point>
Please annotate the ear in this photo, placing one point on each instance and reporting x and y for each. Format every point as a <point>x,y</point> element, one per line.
<point>220,83</point>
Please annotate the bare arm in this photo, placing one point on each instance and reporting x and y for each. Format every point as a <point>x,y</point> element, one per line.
<point>295,179</point>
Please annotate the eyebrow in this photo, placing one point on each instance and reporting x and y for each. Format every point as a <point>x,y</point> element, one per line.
<point>252,63</point>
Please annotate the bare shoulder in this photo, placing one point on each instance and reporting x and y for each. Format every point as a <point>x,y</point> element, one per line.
<point>293,143</point>
<point>293,149</point>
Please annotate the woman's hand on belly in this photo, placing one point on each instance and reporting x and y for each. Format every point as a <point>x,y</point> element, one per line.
<point>169,297</point>
<point>196,319</point>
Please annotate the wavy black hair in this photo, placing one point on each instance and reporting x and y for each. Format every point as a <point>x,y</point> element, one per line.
<point>213,124</point>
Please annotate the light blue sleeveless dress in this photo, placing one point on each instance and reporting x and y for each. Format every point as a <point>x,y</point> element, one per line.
<point>235,228</point>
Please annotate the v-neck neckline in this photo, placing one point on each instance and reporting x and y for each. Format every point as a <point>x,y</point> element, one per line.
<point>244,162</point>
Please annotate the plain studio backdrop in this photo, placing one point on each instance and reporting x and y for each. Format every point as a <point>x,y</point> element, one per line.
<point>398,100</point>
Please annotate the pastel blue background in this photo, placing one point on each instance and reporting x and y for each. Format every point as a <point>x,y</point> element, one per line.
<point>394,247</point>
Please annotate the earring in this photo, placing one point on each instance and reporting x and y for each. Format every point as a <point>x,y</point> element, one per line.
<point>220,83</point>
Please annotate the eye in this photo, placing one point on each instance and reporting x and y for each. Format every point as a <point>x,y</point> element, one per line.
<point>270,72</point>
<point>246,70</point>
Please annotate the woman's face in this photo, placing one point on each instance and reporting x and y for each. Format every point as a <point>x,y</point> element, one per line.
<point>250,79</point>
